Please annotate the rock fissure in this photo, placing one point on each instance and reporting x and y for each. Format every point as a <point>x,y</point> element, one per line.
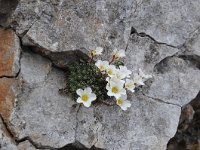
<point>143,34</point>
<point>36,145</point>
<point>8,130</point>
<point>193,59</point>
<point>161,101</point>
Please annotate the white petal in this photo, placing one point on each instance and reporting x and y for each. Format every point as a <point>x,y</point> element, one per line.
<point>88,90</point>
<point>117,95</point>
<point>87,104</point>
<point>122,53</point>
<point>99,50</point>
<point>116,82</point>
<point>108,87</point>
<point>79,100</point>
<point>123,108</point>
<point>109,93</point>
<point>125,105</point>
<point>98,63</point>
<point>108,79</point>
<point>92,97</point>
<point>123,97</point>
<point>79,92</point>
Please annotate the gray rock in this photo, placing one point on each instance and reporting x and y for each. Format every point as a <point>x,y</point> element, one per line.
<point>41,112</point>
<point>144,53</point>
<point>145,125</point>
<point>50,119</point>
<point>178,83</point>
<point>57,28</point>
<point>6,142</point>
<point>68,25</point>
<point>25,146</point>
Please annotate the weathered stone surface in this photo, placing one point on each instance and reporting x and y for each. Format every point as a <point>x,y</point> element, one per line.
<point>144,53</point>
<point>41,112</point>
<point>67,25</point>
<point>192,44</point>
<point>176,82</point>
<point>59,124</point>
<point>51,27</point>
<point>145,126</point>
<point>55,122</point>
<point>26,145</point>
<point>6,142</point>
<point>9,54</point>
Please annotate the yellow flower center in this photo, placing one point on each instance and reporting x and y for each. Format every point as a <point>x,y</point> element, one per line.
<point>85,98</point>
<point>119,102</point>
<point>101,67</point>
<point>109,71</point>
<point>115,90</point>
<point>94,52</point>
<point>116,56</point>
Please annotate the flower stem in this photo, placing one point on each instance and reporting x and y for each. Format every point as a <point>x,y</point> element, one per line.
<point>113,58</point>
<point>91,59</point>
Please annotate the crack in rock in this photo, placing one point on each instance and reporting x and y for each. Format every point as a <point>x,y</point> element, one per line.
<point>9,131</point>
<point>161,101</point>
<point>193,59</point>
<point>143,34</point>
<point>36,145</point>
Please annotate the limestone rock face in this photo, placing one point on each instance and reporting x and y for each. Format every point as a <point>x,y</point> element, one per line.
<point>160,37</point>
<point>6,143</point>
<point>67,25</point>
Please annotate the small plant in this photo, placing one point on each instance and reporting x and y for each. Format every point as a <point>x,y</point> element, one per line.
<point>99,80</point>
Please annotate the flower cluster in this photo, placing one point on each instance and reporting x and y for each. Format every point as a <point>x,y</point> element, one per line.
<point>118,78</point>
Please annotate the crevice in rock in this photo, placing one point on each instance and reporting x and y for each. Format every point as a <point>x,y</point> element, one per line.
<point>193,59</point>
<point>36,145</point>
<point>17,74</point>
<point>63,58</point>
<point>8,130</point>
<point>72,146</point>
<point>162,66</point>
<point>191,38</point>
<point>142,34</point>
<point>161,101</point>
<point>77,146</point>
<point>188,131</point>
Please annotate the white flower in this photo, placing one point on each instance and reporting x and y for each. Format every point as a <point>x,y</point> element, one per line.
<point>138,80</point>
<point>94,52</point>
<point>115,88</point>
<point>114,80</point>
<point>111,70</point>
<point>102,65</point>
<point>118,53</point>
<point>123,102</point>
<point>86,96</point>
<point>130,85</point>
<point>143,75</point>
<point>122,72</point>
